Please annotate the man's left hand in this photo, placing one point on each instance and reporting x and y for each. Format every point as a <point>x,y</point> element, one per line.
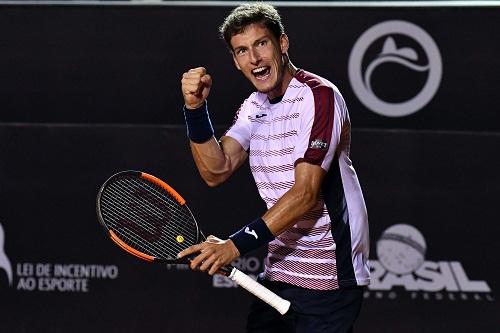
<point>213,254</point>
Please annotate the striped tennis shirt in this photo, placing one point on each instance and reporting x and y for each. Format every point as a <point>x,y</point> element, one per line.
<point>328,247</point>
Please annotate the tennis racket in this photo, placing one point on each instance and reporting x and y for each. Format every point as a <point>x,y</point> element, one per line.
<point>147,218</point>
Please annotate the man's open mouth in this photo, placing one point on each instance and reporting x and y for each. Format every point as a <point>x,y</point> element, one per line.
<point>261,73</point>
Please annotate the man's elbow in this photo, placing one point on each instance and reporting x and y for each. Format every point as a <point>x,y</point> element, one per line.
<point>309,200</point>
<point>214,180</point>
<point>213,183</point>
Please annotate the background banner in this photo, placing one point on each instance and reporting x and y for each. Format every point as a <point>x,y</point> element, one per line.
<point>123,64</point>
<point>91,90</point>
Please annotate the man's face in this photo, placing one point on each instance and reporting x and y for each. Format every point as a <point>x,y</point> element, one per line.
<point>258,54</point>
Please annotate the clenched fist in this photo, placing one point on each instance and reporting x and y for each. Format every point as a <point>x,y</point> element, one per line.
<point>196,85</point>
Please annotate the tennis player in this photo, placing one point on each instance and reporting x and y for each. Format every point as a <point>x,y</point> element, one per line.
<point>295,129</point>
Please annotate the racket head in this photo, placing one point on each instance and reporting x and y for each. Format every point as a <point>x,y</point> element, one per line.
<point>146,217</point>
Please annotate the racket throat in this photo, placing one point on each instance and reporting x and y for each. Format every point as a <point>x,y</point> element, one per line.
<point>227,271</point>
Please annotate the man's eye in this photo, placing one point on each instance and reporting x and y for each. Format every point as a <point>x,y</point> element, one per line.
<point>262,43</point>
<point>240,52</point>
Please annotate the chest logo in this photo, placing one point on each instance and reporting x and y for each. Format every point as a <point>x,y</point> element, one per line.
<point>260,115</point>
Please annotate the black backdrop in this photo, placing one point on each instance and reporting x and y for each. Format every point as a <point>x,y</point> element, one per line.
<point>122,64</point>
<point>91,90</point>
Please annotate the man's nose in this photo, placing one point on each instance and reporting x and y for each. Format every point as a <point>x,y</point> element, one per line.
<point>254,57</point>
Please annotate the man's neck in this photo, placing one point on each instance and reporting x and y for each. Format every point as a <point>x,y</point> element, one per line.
<point>288,75</point>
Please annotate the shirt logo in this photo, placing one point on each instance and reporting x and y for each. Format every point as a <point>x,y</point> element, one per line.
<point>318,144</point>
<point>251,232</point>
<point>260,115</point>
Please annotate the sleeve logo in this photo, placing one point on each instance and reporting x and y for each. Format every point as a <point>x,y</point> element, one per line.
<point>318,144</point>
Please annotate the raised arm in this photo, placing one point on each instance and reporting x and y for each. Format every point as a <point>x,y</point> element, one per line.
<point>216,161</point>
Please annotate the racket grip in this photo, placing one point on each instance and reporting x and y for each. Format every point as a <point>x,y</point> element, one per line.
<point>245,281</point>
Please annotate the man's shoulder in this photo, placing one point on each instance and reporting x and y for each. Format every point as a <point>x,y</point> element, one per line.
<point>312,81</point>
<point>316,89</point>
<point>254,102</point>
<point>255,97</point>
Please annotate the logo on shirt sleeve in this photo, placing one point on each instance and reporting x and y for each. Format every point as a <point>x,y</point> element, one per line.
<point>318,144</point>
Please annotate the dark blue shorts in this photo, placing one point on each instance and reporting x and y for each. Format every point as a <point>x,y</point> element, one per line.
<point>312,311</point>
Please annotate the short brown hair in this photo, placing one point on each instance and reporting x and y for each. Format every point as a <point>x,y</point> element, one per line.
<point>246,14</point>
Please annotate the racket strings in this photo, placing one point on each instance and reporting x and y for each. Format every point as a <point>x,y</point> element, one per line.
<point>151,191</point>
<point>144,222</point>
<point>138,240</point>
<point>159,193</point>
<point>165,234</point>
<point>117,213</point>
<point>152,248</point>
<point>158,212</point>
<point>162,198</point>
<point>173,206</point>
<point>121,202</point>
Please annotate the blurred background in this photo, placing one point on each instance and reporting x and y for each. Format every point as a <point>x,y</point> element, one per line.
<point>89,88</point>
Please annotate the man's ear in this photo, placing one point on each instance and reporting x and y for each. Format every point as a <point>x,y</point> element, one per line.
<point>235,62</point>
<point>284,43</point>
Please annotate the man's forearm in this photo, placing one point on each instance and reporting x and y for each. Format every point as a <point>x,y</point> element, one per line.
<point>289,208</point>
<point>297,201</point>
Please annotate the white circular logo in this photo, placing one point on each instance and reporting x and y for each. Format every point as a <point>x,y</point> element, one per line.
<point>401,249</point>
<point>361,70</point>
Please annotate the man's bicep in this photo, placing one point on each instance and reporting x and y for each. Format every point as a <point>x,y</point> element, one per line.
<point>233,151</point>
<point>309,176</point>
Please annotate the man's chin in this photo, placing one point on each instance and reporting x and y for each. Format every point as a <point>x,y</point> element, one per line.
<point>263,88</point>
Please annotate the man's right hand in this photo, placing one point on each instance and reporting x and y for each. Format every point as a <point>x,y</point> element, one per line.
<point>196,85</point>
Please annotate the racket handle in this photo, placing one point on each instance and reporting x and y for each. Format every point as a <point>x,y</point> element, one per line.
<point>245,281</point>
